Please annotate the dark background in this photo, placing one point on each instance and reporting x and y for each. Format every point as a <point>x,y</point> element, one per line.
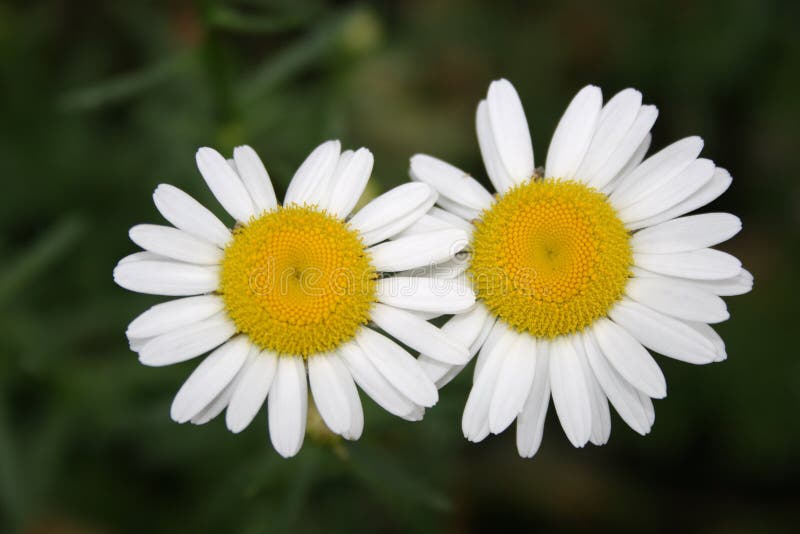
<point>101,101</point>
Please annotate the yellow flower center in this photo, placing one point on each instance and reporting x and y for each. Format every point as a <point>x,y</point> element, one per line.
<point>550,257</point>
<point>297,281</point>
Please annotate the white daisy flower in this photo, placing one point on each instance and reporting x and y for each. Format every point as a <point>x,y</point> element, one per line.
<point>582,268</point>
<point>294,289</point>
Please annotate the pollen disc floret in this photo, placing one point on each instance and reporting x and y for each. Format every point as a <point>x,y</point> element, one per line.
<point>550,257</point>
<point>297,281</point>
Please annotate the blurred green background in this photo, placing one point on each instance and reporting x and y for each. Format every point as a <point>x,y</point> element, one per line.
<point>101,101</point>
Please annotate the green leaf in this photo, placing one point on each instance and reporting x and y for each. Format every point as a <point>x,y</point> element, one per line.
<point>123,87</point>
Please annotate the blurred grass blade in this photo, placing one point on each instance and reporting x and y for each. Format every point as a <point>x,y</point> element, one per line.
<point>293,59</point>
<point>385,475</point>
<point>46,251</point>
<point>227,18</point>
<point>123,87</point>
<point>299,488</point>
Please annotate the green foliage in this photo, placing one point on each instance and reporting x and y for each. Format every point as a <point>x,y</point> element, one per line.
<point>101,101</point>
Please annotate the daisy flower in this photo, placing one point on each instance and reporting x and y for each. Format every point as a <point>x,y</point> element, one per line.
<point>582,267</point>
<point>294,290</point>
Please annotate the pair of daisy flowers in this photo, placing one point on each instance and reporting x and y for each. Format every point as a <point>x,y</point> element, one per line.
<point>560,281</point>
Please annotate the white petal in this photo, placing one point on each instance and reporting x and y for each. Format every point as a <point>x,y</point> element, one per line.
<point>331,389</point>
<point>495,168</point>
<point>397,226</point>
<point>329,395</point>
<point>635,161</point>
<point>453,371</point>
<point>673,192</point>
<point>136,343</point>
<point>684,300</point>
<point>419,334</point>
<point>173,314</point>
<point>166,278</point>
<point>510,130</point>
<point>514,382</point>
<point>655,171</point>
<point>687,233</point>
<point>288,406</point>
<point>638,155</point>
<point>395,205</point>
<point>483,334</point>
<point>188,341</point>
<point>450,182</point>
<point>738,285</point>
<point>189,215</point>
<point>712,337</point>
<point>500,335</point>
<point>703,264</point>
<point>623,396</point>
<point>427,223</point>
<point>530,422</point>
<point>470,328</point>
<point>573,134</point>
<point>468,214</point>
<point>220,402</point>
<point>341,165</point>
<point>349,180</point>
<point>209,379</point>
<point>475,421</point>
<point>482,339</point>
<point>417,250</point>
<point>629,153</point>
<point>452,268</point>
<point>733,286</point>
<point>415,415</point>
<point>251,391</point>
<point>398,367</point>
<point>141,256</point>
<point>455,220</point>
<point>427,316</point>
<point>176,244</point>
<point>662,334</point>
<point>570,392</point>
<point>425,294</point>
<point>255,178</point>
<point>356,426</point>
<point>437,370</point>
<point>630,358</point>
<point>466,327</point>
<point>601,416</point>
<point>225,184</point>
<point>311,183</point>
<point>647,407</point>
<point>719,183</point>
<point>616,118</point>
<point>367,376</point>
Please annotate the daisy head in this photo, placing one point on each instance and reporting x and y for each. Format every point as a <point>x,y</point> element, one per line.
<point>582,266</point>
<point>295,290</point>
